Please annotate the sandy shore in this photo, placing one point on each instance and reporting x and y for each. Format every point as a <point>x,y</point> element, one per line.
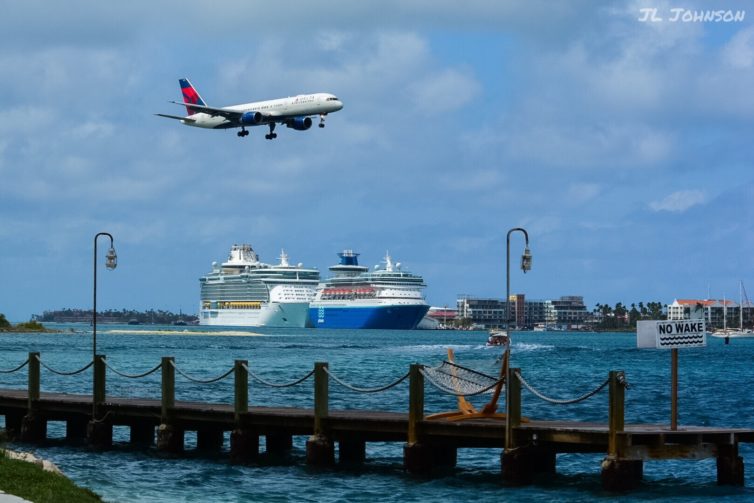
<point>234,333</point>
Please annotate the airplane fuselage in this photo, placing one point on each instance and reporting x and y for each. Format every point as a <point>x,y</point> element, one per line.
<point>271,110</point>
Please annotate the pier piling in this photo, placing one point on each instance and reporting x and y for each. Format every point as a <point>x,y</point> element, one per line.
<point>99,431</point>
<point>33,425</point>
<point>169,437</point>
<point>320,449</point>
<point>244,443</point>
<point>730,466</point>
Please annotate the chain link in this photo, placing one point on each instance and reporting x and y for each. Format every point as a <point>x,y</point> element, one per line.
<point>559,401</point>
<point>60,373</point>
<point>15,369</point>
<point>366,390</point>
<point>201,381</point>
<point>268,383</point>
<point>133,376</point>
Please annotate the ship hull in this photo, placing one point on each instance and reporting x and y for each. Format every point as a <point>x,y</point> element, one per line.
<point>273,314</point>
<point>385,317</point>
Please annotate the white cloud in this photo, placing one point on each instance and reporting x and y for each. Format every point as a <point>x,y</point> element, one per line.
<point>444,92</point>
<point>579,193</point>
<point>680,201</point>
<point>739,52</point>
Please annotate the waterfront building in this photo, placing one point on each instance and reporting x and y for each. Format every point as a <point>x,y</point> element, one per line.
<point>570,311</point>
<point>489,313</point>
<point>483,313</point>
<point>716,313</point>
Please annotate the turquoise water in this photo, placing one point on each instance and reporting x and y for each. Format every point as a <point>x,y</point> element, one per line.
<point>714,389</point>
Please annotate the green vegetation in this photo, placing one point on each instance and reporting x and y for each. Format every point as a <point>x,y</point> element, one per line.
<point>159,317</point>
<point>29,326</point>
<point>620,317</point>
<point>31,482</point>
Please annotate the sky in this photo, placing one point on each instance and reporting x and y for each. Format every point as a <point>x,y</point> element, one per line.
<point>622,145</point>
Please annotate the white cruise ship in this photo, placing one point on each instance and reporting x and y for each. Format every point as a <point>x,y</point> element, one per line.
<point>245,292</point>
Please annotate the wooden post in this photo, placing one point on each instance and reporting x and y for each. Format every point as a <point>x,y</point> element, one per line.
<point>169,438</point>
<point>99,431</point>
<point>321,398</point>
<point>320,449</point>
<point>616,411</point>
<point>415,402</point>
<point>674,389</point>
<point>33,426</point>
<point>512,406</point>
<point>34,379</point>
<point>240,388</point>
<point>618,473</point>
<point>98,391</point>
<point>730,466</point>
<point>418,458</point>
<point>168,387</point>
<point>516,462</point>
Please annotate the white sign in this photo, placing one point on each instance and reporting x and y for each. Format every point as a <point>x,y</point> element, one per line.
<point>671,334</point>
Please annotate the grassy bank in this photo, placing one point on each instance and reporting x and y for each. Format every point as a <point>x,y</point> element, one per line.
<point>31,482</point>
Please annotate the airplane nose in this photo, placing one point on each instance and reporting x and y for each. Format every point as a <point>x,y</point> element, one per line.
<point>340,104</point>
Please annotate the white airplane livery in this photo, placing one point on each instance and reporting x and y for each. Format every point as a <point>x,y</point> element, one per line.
<point>295,112</point>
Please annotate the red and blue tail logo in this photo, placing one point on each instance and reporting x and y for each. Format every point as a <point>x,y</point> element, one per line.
<point>190,95</point>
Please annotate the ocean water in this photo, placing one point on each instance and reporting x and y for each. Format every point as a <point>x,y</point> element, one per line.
<point>715,388</point>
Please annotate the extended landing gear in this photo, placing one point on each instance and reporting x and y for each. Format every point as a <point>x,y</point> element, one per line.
<point>322,120</point>
<point>272,135</point>
<point>242,133</point>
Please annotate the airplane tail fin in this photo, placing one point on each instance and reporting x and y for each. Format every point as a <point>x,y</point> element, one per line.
<point>190,95</point>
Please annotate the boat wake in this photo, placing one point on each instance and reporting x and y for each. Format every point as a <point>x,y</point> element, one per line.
<point>524,347</point>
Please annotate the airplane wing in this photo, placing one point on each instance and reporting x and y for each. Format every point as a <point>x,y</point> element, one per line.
<point>176,117</point>
<point>232,115</point>
<point>228,114</point>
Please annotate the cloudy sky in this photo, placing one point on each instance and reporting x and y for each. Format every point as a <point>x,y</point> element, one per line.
<point>623,146</point>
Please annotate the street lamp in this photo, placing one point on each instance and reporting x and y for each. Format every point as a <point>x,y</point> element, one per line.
<point>525,266</point>
<point>111,262</point>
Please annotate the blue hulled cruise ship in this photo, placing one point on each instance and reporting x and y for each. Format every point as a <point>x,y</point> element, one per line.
<point>385,298</point>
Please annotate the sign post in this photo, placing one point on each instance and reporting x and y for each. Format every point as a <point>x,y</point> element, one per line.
<point>671,335</point>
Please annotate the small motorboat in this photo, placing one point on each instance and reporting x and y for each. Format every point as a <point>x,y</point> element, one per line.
<point>498,338</point>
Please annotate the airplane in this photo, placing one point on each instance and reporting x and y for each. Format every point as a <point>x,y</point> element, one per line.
<point>295,112</point>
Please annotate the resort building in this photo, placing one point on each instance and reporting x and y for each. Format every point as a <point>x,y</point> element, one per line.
<point>565,312</point>
<point>715,313</point>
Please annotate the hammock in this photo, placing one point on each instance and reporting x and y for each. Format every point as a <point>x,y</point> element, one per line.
<point>462,382</point>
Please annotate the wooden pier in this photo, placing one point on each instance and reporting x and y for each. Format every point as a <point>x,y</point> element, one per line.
<point>528,447</point>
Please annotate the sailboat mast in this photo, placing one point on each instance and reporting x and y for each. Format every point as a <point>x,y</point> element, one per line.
<point>741,305</point>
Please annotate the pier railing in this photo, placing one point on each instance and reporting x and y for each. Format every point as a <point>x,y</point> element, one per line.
<point>529,446</point>
<point>471,383</point>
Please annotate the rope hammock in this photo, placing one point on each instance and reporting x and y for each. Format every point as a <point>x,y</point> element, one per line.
<point>461,382</point>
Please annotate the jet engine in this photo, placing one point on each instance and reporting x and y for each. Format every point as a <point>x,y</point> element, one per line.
<point>300,123</point>
<point>251,118</point>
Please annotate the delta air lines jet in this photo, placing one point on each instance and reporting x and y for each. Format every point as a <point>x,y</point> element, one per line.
<point>295,112</point>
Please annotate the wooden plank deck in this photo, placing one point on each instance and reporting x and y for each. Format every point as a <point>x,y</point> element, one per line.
<point>563,436</point>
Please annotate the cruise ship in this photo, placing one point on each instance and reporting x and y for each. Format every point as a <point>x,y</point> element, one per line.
<point>245,292</point>
<point>354,297</point>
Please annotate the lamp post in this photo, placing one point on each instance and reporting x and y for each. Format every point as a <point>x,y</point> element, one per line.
<point>525,266</point>
<point>111,261</point>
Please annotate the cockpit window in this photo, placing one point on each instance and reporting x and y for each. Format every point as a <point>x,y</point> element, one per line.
<point>332,99</point>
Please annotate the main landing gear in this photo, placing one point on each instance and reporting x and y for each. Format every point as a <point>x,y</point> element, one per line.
<point>322,120</point>
<point>272,135</point>
<point>242,133</point>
